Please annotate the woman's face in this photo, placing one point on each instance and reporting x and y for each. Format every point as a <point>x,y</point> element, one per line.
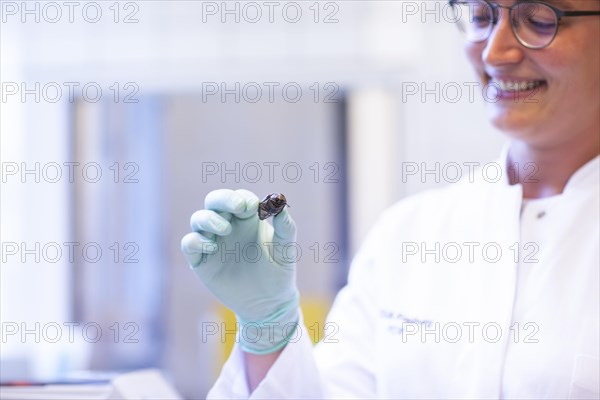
<point>566,104</point>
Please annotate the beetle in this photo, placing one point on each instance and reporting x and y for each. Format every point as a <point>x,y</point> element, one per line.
<point>273,204</point>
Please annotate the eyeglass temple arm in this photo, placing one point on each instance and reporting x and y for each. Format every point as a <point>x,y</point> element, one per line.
<point>579,13</point>
<point>559,12</point>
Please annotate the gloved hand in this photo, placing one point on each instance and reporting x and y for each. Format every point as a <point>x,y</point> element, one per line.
<point>249,265</point>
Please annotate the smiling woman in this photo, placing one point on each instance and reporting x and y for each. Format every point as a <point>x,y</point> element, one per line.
<point>548,97</point>
<point>516,318</point>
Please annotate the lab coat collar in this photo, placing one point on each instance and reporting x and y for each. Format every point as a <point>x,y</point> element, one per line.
<point>585,178</point>
<point>503,161</point>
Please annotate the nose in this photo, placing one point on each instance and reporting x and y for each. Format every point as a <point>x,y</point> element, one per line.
<point>502,47</point>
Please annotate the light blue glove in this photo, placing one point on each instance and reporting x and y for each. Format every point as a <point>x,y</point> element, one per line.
<point>249,265</point>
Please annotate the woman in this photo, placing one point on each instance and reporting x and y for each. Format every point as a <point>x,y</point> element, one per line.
<point>511,308</point>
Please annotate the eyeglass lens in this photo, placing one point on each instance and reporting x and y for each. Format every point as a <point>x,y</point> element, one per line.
<point>534,24</point>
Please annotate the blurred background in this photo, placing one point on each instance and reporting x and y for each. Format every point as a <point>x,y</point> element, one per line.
<point>118,117</point>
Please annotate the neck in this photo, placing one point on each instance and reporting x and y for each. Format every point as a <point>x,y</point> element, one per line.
<point>545,171</point>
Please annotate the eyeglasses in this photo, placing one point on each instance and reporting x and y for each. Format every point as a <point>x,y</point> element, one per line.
<point>534,23</point>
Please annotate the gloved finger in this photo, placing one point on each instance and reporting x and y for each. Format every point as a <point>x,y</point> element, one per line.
<point>225,215</point>
<point>196,247</point>
<point>210,221</point>
<point>251,201</point>
<point>284,227</point>
<point>225,200</point>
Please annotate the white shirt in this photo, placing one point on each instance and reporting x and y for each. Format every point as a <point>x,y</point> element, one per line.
<point>462,292</point>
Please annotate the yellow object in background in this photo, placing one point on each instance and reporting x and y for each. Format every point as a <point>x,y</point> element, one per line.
<point>314,311</point>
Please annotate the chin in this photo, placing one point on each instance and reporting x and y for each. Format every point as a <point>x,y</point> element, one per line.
<point>518,126</point>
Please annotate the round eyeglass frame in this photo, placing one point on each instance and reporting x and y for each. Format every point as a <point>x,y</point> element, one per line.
<point>494,8</point>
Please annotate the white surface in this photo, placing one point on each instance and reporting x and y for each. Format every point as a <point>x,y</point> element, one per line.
<point>144,384</point>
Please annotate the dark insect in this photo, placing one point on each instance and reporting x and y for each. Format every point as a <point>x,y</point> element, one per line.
<point>273,204</point>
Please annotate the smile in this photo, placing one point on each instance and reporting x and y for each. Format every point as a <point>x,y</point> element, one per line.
<point>514,86</point>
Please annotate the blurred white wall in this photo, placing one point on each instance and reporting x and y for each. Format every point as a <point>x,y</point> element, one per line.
<point>34,212</point>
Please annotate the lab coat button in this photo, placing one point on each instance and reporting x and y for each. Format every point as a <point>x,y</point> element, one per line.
<point>541,214</point>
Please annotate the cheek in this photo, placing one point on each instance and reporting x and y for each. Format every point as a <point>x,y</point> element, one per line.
<point>574,67</point>
<point>594,56</point>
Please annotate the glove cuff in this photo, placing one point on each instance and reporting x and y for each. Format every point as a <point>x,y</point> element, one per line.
<point>272,333</point>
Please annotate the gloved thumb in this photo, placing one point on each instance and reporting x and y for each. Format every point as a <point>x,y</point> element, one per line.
<point>284,227</point>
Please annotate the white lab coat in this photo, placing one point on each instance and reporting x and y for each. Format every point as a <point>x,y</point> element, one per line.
<point>528,319</point>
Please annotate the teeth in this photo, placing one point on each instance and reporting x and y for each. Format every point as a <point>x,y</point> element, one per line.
<point>516,86</point>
